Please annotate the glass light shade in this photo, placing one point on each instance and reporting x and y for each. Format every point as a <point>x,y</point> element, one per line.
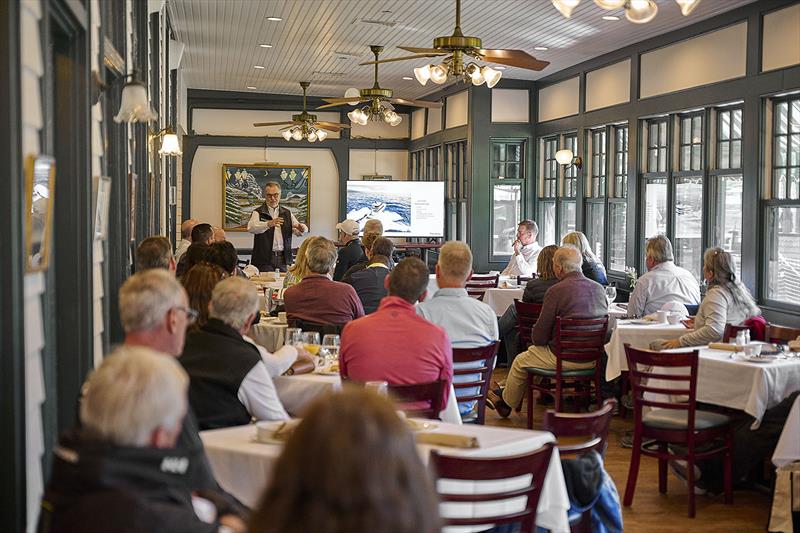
<point>352,92</point>
<point>322,135</point>
<point>170,145</point>
<point>354,115</point>
<point>312,137</point>
<point>134,105</point>
<point>687,6</point>
<point>287,134</point>
<point>423,74</point>
<point>297,134</point>
<point>610,4</point>
<point>641,11</point>
<point>477,76</point>
<point>439,74</point>
<point>566,6</point>
<point>396,120</point>
<point>491,76</point>
<point>564,157</point>
<point>363,117</point>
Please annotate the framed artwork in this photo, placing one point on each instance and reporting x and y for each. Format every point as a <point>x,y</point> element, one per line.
<point>103,196</point>
<point>40,177</point>
<point>243,191</point>
<point>376,177</point>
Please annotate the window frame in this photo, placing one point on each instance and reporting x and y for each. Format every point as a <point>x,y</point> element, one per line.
<point>520,180</point>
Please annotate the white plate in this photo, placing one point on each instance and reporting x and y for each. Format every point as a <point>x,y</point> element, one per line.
<point>644,322</point>
<point>420,425</point>
<point>762,360</point>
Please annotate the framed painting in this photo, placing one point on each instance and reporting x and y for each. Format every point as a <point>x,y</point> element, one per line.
<point>243,191</point>
<point>40,177</point>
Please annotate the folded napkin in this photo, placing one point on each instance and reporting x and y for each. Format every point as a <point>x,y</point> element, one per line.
<point>725,346</point>
<point>447,439</point>
<point>794,345</point>
<point>267,431</point>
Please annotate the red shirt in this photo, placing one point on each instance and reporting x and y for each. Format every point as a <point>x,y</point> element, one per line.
<point>396,345</point>
<point>318,299</point>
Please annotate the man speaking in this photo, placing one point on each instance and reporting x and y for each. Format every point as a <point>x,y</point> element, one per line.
<point>272,248</point>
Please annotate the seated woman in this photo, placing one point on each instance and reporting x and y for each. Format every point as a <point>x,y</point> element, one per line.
<point>199,283</point>
<point>351,465</point>
<point>727,301</point>
<point>299,270</point>
<point>592,267</point>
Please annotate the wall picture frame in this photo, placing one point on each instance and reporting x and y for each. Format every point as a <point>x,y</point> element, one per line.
<point>102,200</point>
<point>376,177</point>
<point>40,180</point>
<point>243,191</point>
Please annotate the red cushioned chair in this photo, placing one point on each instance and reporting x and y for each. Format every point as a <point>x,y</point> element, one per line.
<point>486,355</point>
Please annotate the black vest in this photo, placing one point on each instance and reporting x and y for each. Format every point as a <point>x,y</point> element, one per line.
<point>217,359</point>
<point>262,243</point>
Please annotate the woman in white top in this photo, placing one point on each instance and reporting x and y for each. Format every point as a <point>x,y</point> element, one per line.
<point>727,301</point>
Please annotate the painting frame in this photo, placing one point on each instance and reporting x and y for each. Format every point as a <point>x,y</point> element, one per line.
<point>243,191</point>
<point>39,169</point>
<point>101,207</point>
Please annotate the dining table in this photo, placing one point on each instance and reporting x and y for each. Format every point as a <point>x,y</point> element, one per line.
<point>638,333</point>
<point>243,466</point>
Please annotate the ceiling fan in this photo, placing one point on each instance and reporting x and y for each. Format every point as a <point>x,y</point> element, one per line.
<point>379,100</point>
<point>305,125</point>
<point>455,47</point>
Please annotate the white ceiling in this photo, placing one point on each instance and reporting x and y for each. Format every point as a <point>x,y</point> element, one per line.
<point>324,40</point>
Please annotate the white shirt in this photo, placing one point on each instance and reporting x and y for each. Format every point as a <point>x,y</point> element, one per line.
<point>256,226</point>
<point>259,396</point>
<point>277,363</point>
<point>183,245</point>
<point>524,263</point>
<point>665,283</point>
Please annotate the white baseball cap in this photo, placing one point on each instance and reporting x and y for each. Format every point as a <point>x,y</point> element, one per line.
<point>348,227</point>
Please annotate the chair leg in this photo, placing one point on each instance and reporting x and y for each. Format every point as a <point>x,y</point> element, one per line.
<point>633,472</point>
<point>662,469</point>
<point>559,394</point>
<point>531,405</point>
<point>690,482</point>
<point>728,468</point>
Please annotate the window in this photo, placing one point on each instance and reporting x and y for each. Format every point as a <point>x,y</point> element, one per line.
<point>559,189</point>
<point>617,203</point>
<point>433,162</point>
<point>657,146</point>
<point>507,177</point>
<point>598,164</point>
<point>417,165</point>
<point>691,147</point>
<point>457,208</point>
<point>594,224</point>
<point>727,181</point>
<point>729,138</point>
<point>549,191</point>
<point>783,209</point>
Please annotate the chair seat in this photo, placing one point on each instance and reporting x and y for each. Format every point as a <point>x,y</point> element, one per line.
<point>677,419</point>
<point>551,372</point>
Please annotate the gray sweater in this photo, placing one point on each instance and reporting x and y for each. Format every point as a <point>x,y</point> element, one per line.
<point>716,310</point>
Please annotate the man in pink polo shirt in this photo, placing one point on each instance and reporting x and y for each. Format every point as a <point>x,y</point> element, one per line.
<point>395,344</point>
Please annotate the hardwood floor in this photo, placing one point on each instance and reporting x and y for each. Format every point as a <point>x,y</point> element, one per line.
<point>654,512</point>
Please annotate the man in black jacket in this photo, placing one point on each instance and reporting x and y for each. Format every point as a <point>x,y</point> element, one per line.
<point>272,226</point>
<point>352,252</point>
<point>121,472</point>
<point>369,280</point>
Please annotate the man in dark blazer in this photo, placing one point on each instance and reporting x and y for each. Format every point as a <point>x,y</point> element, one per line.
<point>369,281</point>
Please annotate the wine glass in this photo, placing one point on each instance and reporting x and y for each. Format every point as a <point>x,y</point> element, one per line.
<point>611,294</point>
<point>331,343</point>
<point>294,337</point>
<point>311,342</point>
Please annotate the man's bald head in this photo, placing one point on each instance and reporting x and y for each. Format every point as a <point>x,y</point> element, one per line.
<point>187,227</point>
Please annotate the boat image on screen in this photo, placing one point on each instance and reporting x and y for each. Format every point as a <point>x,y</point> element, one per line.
<point>405,208</point>
<point>393,210</point>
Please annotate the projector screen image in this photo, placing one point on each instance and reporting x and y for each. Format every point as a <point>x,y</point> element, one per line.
<point>406,208</point>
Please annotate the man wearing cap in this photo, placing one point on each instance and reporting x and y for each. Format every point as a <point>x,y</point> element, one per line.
<point>272,227</point>
<point>352,252</point>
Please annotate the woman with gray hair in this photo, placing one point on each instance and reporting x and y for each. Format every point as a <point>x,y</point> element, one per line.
<point>592,267</point>
<point>727,301</point>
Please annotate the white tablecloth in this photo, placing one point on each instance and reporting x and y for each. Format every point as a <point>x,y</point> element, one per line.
<point>243,466</point>
<point>268,334</point>
<point>788,448</point>
<point>614,310</point>
<point>296,392</point>
<point>501,299</point>
<point>638,337</point>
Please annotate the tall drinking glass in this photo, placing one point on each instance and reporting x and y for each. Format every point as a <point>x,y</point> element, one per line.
<point>611,294</point>
<point>331,343</point>
<point>294,337</point>
<point>311,342</point>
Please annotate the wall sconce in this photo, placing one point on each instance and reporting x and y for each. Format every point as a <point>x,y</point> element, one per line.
<point>134,105</point>
<point>566,158</point>
<point>169,142</point>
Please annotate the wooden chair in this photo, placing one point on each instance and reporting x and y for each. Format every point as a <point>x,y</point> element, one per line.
<point>322,329</point>
<point>671,422</point>
<point>590,426</point>
<point>479,377</point>
<point>578,340</point>
<point>731,330</point>
<point>527,315</point>
<point>430,393</point>
<point>781,334</point>
<point>534,464</point>
<point>523,280</point>
<point>478,283</point>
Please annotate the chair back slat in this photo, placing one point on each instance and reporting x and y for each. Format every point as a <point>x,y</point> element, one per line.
<point>523,280</point>
<point>594,426</point>
<point>322,329</point>
<point>781,334</point>
<point>527,315</point>
<point>486,356</point>
<point>534,464</point>
<point>731,330</point>
<point>477,284</point>
<point>642,376</point>
<point>430,393</point>
<point>580,340</point>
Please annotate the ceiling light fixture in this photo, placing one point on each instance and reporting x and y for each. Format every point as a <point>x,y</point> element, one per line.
<point>636,11</point>
<point>134,104</point>
<point>274,19</point>
<point>265,45</point>
<point>500,67</point>
<point>407,78</point>
<point>251,87</point>
<point>540,48</point>
<point>259,67</point>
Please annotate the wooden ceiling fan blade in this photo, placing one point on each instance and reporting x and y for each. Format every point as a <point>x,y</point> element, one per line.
<point>404,58</point>
<point>416,103</point>
<point>281,123</point>
<point>424,51</point>
<point>342,100</point>
<point>513,58</point>
<point>336,126</point>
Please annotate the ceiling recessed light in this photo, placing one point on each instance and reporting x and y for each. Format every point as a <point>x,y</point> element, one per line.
<point>274,19</point>
<point>260,67</point>
<point>251,87</point>
<point>610,17</point>
<point>540,48</point>
<point>265,45</point>
<point>407,78</point>
<point>499,67</point>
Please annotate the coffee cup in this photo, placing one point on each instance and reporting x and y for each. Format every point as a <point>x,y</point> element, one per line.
<point>662,316</point>
<point>752,349</point>
<point>674,318</point>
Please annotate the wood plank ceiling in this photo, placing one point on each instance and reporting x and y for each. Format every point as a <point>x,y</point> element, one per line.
<point>324,40</point>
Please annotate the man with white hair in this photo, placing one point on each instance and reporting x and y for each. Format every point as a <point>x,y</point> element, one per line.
<point>186,237</point>
<point>664,282</point>
<point>574,296</point>
<point>526,250</point>
<point>229,383</point>
<point>121,470</point>
<point>272,226</point>
<point>468,322</point>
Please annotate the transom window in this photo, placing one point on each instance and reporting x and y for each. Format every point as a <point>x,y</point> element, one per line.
<point>729,138</point>
<point>657,145</point>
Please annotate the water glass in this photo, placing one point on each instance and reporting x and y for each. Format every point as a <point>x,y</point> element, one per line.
<point>379,387</point>
<point>331,344</point>
<point>611,294</point>
<point>294,337</point>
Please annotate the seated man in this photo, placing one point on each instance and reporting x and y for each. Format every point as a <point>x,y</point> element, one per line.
<point>229,383</point>
<point>352,252</point>
<point>155,252</point>
<point>186,238</point>
<point>121,470</point>
<point>469,323</point>
<point>369,281</point>
<point>526,250</point>
<point>574,296</point>
<point>367,243</point>
<point>394,344</point>
<point>317,298</point>
<point>664,281</point>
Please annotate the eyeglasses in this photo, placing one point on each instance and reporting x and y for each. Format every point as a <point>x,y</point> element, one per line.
<point>191,314</point>
<point>276,195</point>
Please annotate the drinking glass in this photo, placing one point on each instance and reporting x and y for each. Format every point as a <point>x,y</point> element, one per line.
<point>331,344</point>
<point>294,337</point>
<point>611,294</point>
<point>311,342</point>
